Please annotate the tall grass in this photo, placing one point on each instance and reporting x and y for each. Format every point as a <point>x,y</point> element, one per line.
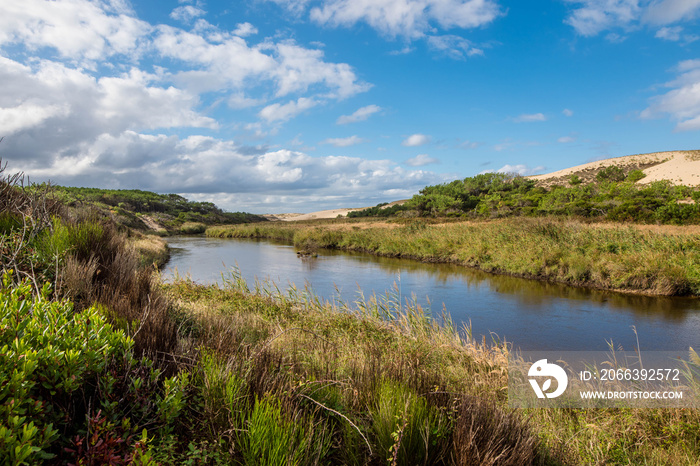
<point>604,256</point>
<point>388,385</point>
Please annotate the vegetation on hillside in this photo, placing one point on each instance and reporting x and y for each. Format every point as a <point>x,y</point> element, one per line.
<point>614,196</point>
<point>142,210</point>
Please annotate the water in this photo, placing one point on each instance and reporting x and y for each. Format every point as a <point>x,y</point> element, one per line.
<point>530,314</point>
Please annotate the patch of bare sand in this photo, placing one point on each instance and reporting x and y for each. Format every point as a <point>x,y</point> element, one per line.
<point>321,214</point>
<point>678,167</point>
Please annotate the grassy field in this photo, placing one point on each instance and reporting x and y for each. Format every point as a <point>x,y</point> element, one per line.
<point>607,256</point>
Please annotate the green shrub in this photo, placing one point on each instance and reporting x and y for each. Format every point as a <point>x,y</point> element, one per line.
<point>635,175</point>
<point>611,173</point>
<point>47,354</point>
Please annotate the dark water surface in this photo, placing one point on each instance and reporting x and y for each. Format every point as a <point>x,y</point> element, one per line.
<point>532,315</point>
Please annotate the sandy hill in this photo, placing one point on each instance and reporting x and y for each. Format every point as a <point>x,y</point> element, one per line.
<point>312,215</point>
<point>678,167</point>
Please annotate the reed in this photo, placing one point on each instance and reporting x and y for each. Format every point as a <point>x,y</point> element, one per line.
<point>606,256</point>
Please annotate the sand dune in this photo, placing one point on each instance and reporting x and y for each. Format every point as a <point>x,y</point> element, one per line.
<point>678,167</point>
<point>333,213</point>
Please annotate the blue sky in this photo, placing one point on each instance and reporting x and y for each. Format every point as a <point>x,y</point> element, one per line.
<point>300,105</point>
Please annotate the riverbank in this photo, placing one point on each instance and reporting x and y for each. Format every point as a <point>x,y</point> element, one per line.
<point>607,256</point>
<point>391,386</point>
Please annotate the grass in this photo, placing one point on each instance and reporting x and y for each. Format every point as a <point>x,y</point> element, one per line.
<point>379,381</point>
<point>606,256</point>
<point>389,385</point>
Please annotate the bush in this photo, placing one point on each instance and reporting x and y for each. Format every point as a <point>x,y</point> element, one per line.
<point>611,173</point>
<point>47,355</point>
<point>635,175</point>
<point>575,180</point>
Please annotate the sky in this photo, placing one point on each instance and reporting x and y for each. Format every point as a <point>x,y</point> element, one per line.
<point>271,106</point>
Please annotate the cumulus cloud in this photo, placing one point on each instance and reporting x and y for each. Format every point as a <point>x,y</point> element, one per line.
<point>407,18</point>
<point>415,140</point>
<point>566,112</point>
<point>529,118</point>
<point>360,114</point>
<point>421,160</point>
<point>591,17</point>
<point>79,30</point>
<point>344,142</point>
<point>187,13</point>
<point>682,102</point>
<point>245,29</point>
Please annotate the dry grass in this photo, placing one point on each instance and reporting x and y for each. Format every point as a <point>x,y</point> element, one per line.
<point>298,348</point>
<point>153,250</point>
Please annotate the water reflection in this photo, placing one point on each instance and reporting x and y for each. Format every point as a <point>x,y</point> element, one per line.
<point>531,314</point>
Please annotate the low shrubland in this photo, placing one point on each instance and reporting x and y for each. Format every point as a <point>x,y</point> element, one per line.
<point>614,195</point>
<point>144,210</point>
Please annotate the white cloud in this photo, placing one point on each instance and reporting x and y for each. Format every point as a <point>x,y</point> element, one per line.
<point>421,160</point>
<point>187,13</point>
<point>530,117</point>
<point>675,34</point>
<point>407,18</point>
<point>669,11</point>
<point>520,169</point>
<point>360,114</point>
<point>453,46</point>
<point>298,68</point>
<point>27,115</point>
<point>682,102</point>
<point>245,29</point>
<point>51,108</point>
<point>567,112</point>
<point>594,16</point>
<point>344,142</point>
<point>283,112</point>
<point>78,29</point>
<point>415,140</point>
<point>566,139</point>
<point>670,33</point>
<point>296,7</point>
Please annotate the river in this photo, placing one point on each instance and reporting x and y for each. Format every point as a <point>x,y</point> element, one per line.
<point>531,315</point>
